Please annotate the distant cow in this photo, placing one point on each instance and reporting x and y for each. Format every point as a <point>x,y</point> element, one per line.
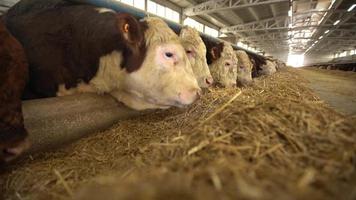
<point>269,68</point>
<point>196,52</point>
<point>244,69</point>
<point>257,63</point>
<point>13,77</point>
<point>75,48</point>
<point>222,62</point>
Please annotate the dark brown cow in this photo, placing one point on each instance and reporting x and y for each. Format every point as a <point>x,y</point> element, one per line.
<point>63,54</point>
<point>69,41</point>
<point>13,77</point>
<point>257,62</point>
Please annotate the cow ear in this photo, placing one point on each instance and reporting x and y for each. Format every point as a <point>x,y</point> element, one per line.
<point>214,53</point>
<point>130,28</point>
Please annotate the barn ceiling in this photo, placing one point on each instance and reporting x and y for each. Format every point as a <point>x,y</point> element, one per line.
<point>282,26</point>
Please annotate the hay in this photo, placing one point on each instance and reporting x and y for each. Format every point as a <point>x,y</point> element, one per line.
<point>275,140</point>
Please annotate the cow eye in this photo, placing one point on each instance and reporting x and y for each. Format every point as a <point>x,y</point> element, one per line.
<point>188,51</point>
<point>227,64</point>
<point>168,54</point>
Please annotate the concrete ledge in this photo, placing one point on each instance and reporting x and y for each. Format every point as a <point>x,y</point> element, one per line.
<point>56,121</point>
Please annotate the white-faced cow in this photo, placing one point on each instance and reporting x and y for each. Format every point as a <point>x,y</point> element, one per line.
<point>222,62</point>
<point>244,69</point>
<point>13,77</point>
<point>75,48</point>
<point>269,68</point>
<point>196,52</point>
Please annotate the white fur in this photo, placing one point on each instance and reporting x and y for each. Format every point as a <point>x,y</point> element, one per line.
<point>109,74</point>
<point>269,68</point>
<point>225,75</point>
<point>244,72</point>
<point>192,41</point>
<point>107,78</point>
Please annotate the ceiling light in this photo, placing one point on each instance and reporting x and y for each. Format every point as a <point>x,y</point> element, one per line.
<point>320,37</point>
<point>327,31</point>
<point>336,22</point>
<point>351,7</point>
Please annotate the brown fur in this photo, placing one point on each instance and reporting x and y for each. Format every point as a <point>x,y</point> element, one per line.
<point>64,42</point>
<point>13,77</point>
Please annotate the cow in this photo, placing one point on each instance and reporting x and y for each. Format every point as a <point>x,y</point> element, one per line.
<point>196,52</point>
<point>13,77</point>
<point>222,62</point>
<point>257,63</point>
<point>244,69</point>
<point>269,68</point>
<point>74,48</point>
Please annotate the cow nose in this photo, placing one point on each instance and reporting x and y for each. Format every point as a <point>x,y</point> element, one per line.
<point>209,80</point>
<point>189,96</point>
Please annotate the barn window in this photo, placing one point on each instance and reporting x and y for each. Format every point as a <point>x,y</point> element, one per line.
<point>211,31</point>
<point>140,4</point>
<point>160,10</point>
<point>151,7</point>
<point>128,2</point>
<point>192,23</point>
<point>343,54</point>
<point>175,16</point>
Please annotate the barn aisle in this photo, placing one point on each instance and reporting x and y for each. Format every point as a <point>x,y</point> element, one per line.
<point>335,87</point>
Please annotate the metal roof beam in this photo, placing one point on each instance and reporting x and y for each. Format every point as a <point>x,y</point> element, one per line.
<point>220,5</point>
<point>275,23</point>
<point>280,22</point>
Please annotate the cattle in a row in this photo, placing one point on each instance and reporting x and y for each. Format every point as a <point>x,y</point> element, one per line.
<point>343,67</point>
<point>76,48</point>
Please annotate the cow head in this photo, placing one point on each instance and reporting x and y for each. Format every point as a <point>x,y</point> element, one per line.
<point>244,68</point>
<point>196,52</point>
<point>268,68</point>
<point>224,68</point>
<point>165,78</point>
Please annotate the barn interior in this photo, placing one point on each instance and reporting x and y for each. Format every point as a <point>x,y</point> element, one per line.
<point>290,135</point>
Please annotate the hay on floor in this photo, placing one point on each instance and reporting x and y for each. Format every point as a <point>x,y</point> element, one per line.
<point>274,140</point>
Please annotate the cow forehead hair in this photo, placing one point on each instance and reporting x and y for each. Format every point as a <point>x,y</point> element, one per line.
<point>228,51</point>
<point>158,32</point>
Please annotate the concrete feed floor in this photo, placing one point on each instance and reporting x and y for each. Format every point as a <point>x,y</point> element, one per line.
<point>335,87</point>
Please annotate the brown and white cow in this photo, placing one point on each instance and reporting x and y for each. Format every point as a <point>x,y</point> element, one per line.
<point>165,78</point>
<point>269,68</point>
<point>196,52</point>
<point>75,48</point>
<point>244,69</point>
<point>13,77</point>
<point>222,62</point>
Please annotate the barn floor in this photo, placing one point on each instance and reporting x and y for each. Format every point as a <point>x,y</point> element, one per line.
<point>275,140</point>
<point>337,88</point>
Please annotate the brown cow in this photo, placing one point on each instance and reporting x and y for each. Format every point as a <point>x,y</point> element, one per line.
<point>13,77</point>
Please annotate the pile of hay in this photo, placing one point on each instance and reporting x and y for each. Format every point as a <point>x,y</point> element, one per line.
<point>275,140</point>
